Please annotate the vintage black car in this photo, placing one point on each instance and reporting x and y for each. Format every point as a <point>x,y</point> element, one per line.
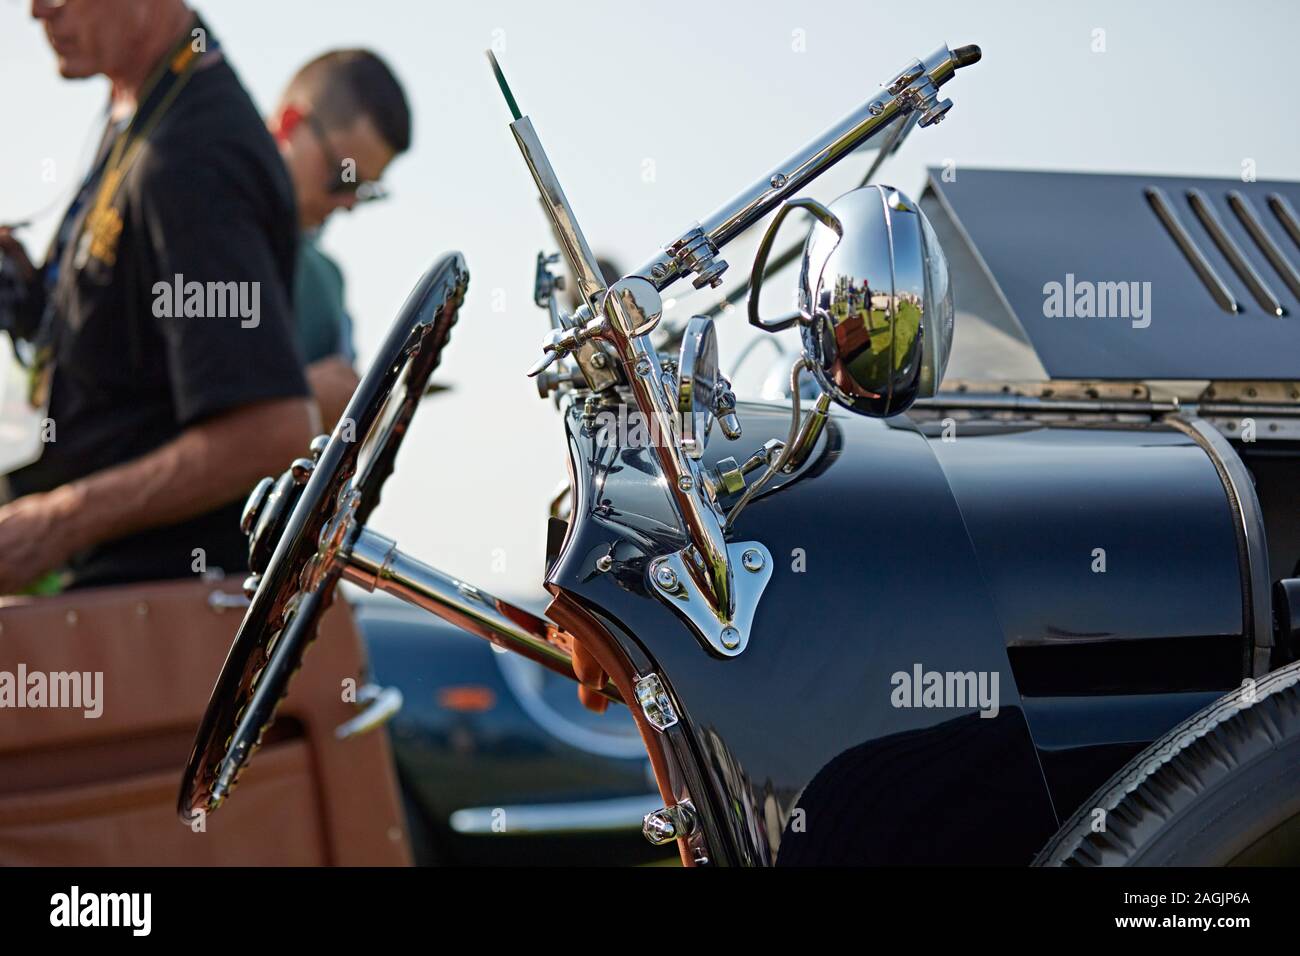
<point>1046,617</point>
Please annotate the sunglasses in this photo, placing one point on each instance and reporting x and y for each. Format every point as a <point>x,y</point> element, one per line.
<point>367,191</point>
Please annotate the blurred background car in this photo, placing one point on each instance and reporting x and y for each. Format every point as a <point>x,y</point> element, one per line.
<point>497,761</point>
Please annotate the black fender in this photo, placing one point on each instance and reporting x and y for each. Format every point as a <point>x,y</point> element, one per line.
<point>799,750</point>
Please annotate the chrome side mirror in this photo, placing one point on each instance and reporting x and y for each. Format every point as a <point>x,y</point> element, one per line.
<point>697,383</point>
<point>703,394</point>
<point>875,301</point>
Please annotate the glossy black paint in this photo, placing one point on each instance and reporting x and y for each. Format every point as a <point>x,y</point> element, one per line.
<point>893,552</point>
<point>1041,502</point>
<point>1106,660</point>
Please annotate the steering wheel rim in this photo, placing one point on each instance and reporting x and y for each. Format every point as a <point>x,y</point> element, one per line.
<point>298,584</point>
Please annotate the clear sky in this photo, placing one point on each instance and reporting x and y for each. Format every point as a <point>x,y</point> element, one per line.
<point>653,114</point>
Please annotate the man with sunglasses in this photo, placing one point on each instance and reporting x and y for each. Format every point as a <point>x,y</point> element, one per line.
<point>161,409</point>
<point>340,122</point>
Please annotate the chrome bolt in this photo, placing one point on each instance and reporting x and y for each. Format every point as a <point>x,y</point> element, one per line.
<point>752,560</point>
<point>643,366</point>
<point>779,180</point>
<point>876,108</point>
<point>667,824</point>
<point>318,445</point>
<point>658,271</point>
<point>666,577</point>
<point>301,470</point>
<point>684,483</point>
<point>730,638</point>
<point>659,829</point>
<point>604,562</point>
<point>599,360</point>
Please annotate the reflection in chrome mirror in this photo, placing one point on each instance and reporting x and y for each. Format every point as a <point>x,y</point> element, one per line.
<point>876,303</point>
<point>698,383</point>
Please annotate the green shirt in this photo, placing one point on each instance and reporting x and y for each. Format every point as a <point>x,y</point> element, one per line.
<point>324,328</point>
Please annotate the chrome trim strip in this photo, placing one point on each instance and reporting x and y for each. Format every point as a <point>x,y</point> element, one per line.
<point>1257,599</point>
<point>1034,403</point>
<point>1204,210</point>
<point>614,815</point>
<point>1196,259</point>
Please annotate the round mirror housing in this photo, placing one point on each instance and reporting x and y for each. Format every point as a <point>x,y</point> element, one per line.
<point>877,303</point>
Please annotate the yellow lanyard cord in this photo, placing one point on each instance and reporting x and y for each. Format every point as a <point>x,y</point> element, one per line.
<point>102,220</point>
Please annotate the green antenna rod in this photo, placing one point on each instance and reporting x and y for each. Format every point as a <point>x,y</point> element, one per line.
<point>505,87</point>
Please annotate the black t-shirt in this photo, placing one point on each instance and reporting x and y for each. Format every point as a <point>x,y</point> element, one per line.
<point>207,199</point>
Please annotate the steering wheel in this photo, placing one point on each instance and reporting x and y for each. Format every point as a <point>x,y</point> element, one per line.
<point>297,526</point>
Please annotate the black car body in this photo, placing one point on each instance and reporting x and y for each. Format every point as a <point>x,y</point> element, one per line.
<point>1077,537</point>
<point>1103,553</point>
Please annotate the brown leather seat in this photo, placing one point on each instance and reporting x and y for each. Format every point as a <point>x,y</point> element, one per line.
<point>77,790</point>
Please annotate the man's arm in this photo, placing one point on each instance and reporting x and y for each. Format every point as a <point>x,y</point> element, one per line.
<point>332,382</point>
<point>205,466</point>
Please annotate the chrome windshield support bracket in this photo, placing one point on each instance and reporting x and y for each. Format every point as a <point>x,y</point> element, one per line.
<point>671,579</point>
<point>706,574</point>
<point>914,91</point>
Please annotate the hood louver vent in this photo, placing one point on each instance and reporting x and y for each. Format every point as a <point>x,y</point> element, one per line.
<point>1250,222</point>
<point>1232,252</point>
<point>1228,247</point>
<point>1195,258</point>
<point>1123,277</point>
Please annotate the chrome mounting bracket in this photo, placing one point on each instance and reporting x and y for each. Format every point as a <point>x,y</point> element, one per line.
<point>671,578</point>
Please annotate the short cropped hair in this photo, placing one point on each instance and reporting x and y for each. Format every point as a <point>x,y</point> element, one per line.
<point>344,85</point>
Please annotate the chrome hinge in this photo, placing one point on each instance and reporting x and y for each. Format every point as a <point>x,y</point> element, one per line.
<point>695,253</point>
<point>655,702</point>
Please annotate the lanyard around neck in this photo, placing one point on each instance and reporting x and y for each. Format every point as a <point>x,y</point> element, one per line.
<point>156,97</point>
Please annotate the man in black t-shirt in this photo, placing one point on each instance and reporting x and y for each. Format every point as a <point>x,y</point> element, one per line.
<point>161,328</point>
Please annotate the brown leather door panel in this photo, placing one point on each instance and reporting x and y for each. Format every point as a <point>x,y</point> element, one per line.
<point>119,822</point>
<point>78,789</point>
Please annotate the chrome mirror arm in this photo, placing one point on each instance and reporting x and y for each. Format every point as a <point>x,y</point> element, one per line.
<point>914,90</point>
<point>804,313</point>
<point>893,142</point>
